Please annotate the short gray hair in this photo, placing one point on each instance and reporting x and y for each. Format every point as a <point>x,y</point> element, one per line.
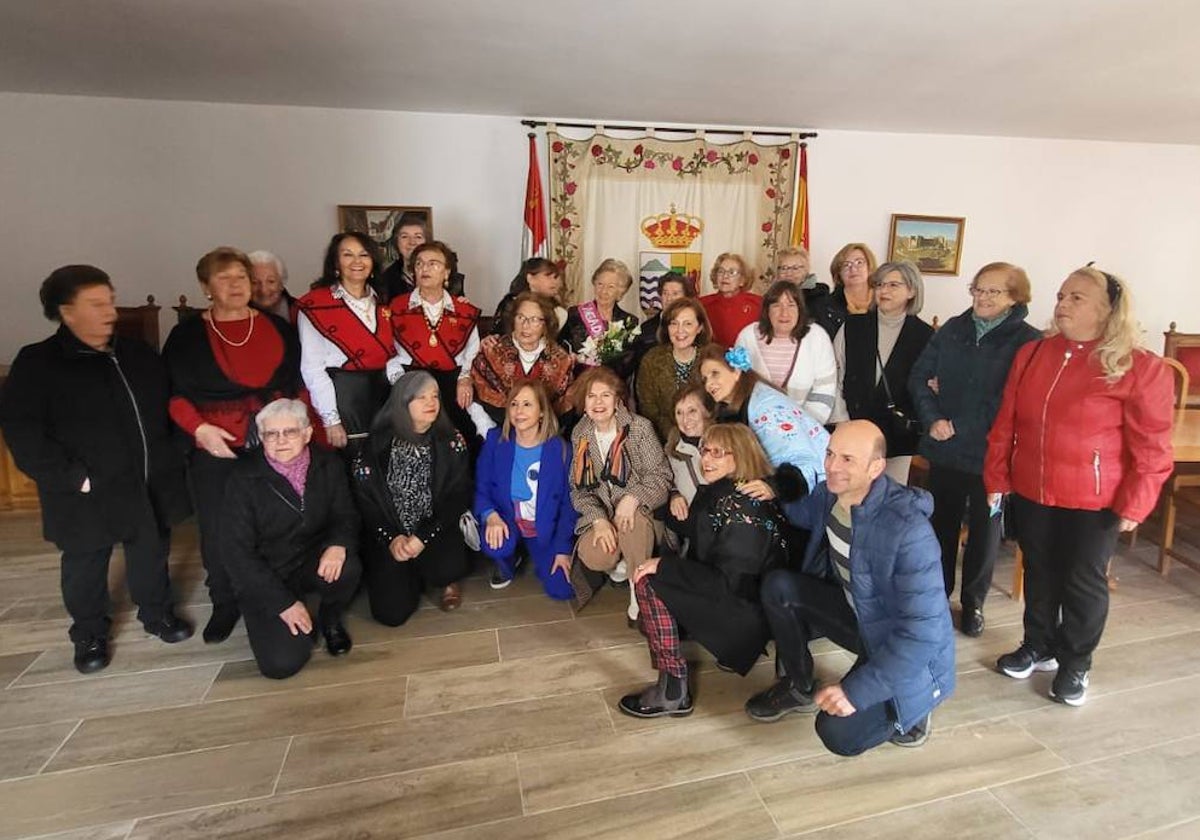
<point>283,407</point>
<point>267,258</point>
<point>911,276</point>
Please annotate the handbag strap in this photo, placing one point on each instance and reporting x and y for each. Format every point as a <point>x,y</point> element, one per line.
<point>795,355</point>
<point>883,375</point>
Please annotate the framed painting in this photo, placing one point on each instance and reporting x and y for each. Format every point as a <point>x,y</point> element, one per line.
<point>379,222</point>
<point>933,243</point>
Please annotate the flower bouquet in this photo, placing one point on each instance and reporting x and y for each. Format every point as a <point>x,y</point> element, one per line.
<point>610,345</point>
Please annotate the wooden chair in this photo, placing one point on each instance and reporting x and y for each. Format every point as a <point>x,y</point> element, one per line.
<point>1184,483</point>
<point>1185,349</point>
<point>140,322</point>
<point>183,311</point>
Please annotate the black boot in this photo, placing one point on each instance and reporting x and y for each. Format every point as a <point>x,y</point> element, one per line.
<point>224,619</point>
<point>668,696</point>
<point>91,655</point>
<point>337,640</point>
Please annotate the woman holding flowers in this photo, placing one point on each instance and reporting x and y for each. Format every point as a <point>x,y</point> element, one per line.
<point>599,332</point>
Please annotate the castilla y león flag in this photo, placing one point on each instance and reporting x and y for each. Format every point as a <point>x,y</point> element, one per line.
<point>533,237</point>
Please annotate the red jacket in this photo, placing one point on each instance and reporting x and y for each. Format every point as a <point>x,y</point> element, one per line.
<point>729,314</point>
<point>1064,437</point>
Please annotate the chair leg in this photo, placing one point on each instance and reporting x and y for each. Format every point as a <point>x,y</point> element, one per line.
<point>1168,534</point>
<point>1018,585</point>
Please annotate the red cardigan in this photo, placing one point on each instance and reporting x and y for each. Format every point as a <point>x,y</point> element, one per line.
<point>728,315</point>
<point>1064,437</point>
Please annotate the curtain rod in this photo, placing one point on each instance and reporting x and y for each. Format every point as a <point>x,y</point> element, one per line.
<point>803,135</point>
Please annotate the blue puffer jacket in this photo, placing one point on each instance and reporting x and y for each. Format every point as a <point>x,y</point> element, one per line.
<point>971,374</point>
<point>899,595</point>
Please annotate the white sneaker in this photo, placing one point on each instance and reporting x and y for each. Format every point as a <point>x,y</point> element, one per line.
<point>620,573</point>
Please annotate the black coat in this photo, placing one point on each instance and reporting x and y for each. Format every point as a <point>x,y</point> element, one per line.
<point>268,533</point>
<point>453,488</point>
<point>713,591</point>
<point>574,333</point>
<point>866,398</point>
<point>69,413</point>
<point>828,310</point>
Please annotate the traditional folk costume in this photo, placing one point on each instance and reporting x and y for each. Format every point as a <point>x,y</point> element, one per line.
<point>347,354</point>
<point>501,363</point>
<point>443,339</point>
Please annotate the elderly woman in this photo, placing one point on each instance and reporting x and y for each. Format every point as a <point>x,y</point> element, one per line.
<point>730,307</point>
<point>268,281</point>
<point>785,350</point>
<point>526,350</point>
<point>793,265</point>
<point>619,477</point>
<point>346,340</point>
<point>439,333</point>
<point>591,320</point>
<point>671,287</point>
<point>539,276</point>
<point>290,531</point>
<point>671,364</point>
<point>956,385</point>
<point>523,492</point>
<point>784,430</point>
<point>85,415</point>
<point>875,354</point>
<point>712,591</point>
<point>225,365</point>
<point>851,268</point>
<point>1083,441</point>
<point>413,483</point>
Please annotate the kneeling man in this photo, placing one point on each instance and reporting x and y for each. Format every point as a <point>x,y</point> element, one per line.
<point>290,530</point>
<point>871,582</point>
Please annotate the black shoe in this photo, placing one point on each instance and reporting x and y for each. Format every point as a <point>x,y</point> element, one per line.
<point>337,640</point>
<point>916,736</point>
<point>972,623</point>
<point>499,579</point>
<point>781,699</point>
<point>170,628</point>
<point>1024,661</point>
<point>224,619</point>
<point>92,655</point>
<point>1070,687</point>
<point>652,702</point>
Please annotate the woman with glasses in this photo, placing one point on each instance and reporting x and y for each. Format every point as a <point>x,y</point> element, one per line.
<point>671,364</point>
<point>851,268</point>
<point>788,352</point>
<point>593,318</point>
<point>730,307</point>
<point>525,351</point>
<point>956,385</point>
<point>792,264</point>
<point>875,353</point>
<point>712,591</point>
<point>437,332</point>
<point>1083,442</point>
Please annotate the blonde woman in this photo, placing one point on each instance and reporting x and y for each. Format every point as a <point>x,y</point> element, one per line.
<point>1083,442</point>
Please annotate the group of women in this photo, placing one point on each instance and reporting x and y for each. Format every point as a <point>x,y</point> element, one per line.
<point>666,460</point>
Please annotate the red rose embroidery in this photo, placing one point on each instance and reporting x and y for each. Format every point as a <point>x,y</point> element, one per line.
<point>753,158</point>
<point>787,427</point>
<point>677,164</point>
<point>785,153</point>
<point>570,187</point>
<point>766,228</point>
<point>770,193</point>
<point>649,164</point>
<point>557,147</point>
<point>565,224</point>
<point>711,156</point>
<point>637,150</point>
<point>597,151</point>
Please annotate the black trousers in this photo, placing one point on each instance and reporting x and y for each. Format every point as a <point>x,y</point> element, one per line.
<point>208,477</point>
<point>801,608</point>
<point>954,493</point>
<point>278,653</point>
<point>1066,581</point>
<point>84,578</point>
<point>394,589</point>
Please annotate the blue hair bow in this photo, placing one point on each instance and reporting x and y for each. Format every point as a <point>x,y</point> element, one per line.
<point>738,358</point>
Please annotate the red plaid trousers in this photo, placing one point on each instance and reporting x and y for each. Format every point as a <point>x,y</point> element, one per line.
<point>661,631</point>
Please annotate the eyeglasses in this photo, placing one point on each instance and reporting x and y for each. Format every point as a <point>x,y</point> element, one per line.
<point>419,264</point>
<point>859,263</point>
<point>728,272</point>
<point>715,452</point>
<point>529,320</point>
<point>788,269</point>
<point>892,285</point>
<point>986,294</point>
<point>276,435</point>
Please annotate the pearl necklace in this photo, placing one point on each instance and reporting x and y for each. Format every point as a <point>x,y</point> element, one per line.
<point>249,332</point>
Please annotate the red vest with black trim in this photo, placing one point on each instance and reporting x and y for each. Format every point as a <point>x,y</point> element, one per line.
<point>337,324</point>
<point>433,349</point>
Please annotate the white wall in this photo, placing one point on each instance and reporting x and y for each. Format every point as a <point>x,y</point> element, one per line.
<point>144,188</point>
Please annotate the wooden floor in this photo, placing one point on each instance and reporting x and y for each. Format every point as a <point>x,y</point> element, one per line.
<point>498,722</point>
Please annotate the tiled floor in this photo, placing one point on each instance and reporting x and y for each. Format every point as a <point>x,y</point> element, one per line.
<point>498,722</point>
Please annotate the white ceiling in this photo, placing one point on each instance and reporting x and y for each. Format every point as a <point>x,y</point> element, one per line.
<point>1105,69</point>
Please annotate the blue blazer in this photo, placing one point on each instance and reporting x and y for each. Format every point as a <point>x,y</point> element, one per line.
<point>555,516</point>
<point>899,596</point>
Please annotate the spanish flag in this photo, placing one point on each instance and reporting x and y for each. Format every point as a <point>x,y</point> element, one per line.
<point>800,219</point>
<point>533,238</point>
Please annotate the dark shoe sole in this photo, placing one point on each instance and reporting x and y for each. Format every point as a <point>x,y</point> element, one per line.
<point>780,715</point>
<point>645,714</point>
<point>92,666</point>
